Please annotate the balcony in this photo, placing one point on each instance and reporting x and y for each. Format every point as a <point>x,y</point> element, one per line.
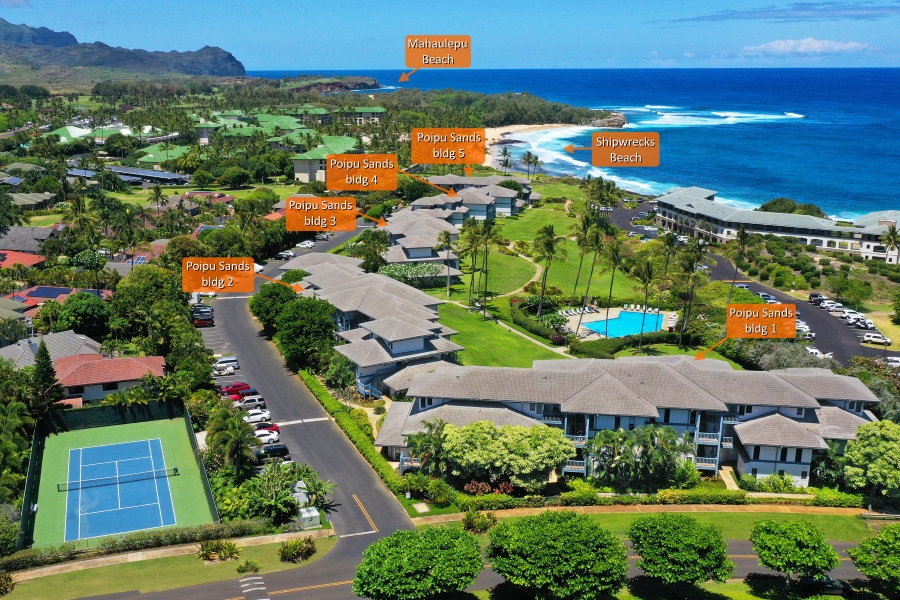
<point>730,418</point>
<point>552,418</point>
<point>705,462</point>
<point>708,438</point>
<point>574,465</point>
<point>578,440</point>
<point>727,442</point>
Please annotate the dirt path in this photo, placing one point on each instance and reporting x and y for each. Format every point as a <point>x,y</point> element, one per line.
<point>568,206</point>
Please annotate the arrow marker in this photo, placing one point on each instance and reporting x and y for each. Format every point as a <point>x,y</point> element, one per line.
<point>294,286</point>
<point>702,354</point>
<point>571,149</point>
<point>450,192</point>
<point>405,76</point>
<point>380,220</point>
<point>468,171</point>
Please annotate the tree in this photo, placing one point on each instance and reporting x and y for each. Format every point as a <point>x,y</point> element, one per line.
<point>468,248</point>
<point>878,558</point>
<point>228,432</point>
<point>605,195</point>
<point>581,229</point>
<point>158,196</point>
<point>268,303</point>
<point>559,555</point>
<point>546,248</point>
<point>11,331</point>
<point>646,272</point>
<point>872,459</point>
<point>45,389</point>
<point>341,372</point>
<point>490,237</point>
<point>646,457</point>
<point>737,251</point>
<point>690,276</point>
<point>594,241</point>
<point>294,275</point>
<point>234,177</point>
<point>11,214</point>
<point>445,242</point>
<point>677,549</point>
<point>85,313</point>
<point>793,548</point>
<point>668,247</point>
<point>304,328</point>
<point>828,468</point>
<point>523,456</point>
<point>202,178</point>
<point>614,255</point>
<point>136,294</point>
<point>428,447</point>
<point>417,565</point>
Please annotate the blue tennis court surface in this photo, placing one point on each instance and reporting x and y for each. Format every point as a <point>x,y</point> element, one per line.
<point>116,489</point>
<point>627,323</point>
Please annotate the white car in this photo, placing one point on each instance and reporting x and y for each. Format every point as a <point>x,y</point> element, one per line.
<point>266,436</point>
<point>307,244</point>
<point>286,254</point>
<point>765,296</point>
<point>847,313</point>
<point>893,361</point>
<point>257,268</point>
<point>865,324</point>
<point>818,354</point>
<point>257,415</point>
<point>876,338</point>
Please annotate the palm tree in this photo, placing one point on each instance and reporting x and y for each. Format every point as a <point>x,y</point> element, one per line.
<point>490,236</point>
<point>11,331</point>
<point>645,271</point>
<point>535,165</point>
<point>445,242</point>
<point>528,160</point>
<point>505,161</point>
<point>581,229</point>
<point>546,247</point>
<point>668,248</point>
<point>428,447</point>
<point>79,217</point>
<point>228,431</point>
<point>594,241</point>
<point>736,251</point>
<point>129,227</point>
<point>614,255</point>
<point>891,241</point>
<point>469,247</point>
<point>157,195</point>
<point>689,262</point>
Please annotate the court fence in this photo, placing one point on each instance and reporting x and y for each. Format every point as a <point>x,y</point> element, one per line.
<point>90,417</point>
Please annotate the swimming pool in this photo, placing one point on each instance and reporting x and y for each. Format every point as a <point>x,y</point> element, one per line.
<point>627,323</point>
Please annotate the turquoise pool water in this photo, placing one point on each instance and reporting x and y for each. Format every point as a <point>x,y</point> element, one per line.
<point>627,323</point>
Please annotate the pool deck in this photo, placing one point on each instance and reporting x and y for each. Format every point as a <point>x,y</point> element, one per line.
<point>586,335</point>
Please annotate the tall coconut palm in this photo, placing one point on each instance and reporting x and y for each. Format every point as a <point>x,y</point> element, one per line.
<point>490,237</point>
<point>890,239</point>
<point>79,217</point>
<point>594,241</point>
<point>615,255</point>
<point>737,251</point>
<point>546,248</point>
<point>228,431</point>
<point>157,195</point>
<point>645,271</point>
<point>445,242</point>
<point>129,226</point>
<point>505,161</point>
<point>668,247</point>
<point>581,229</point>
<point>689,261</point>
<point>469,247</point>
<point>528,160</point>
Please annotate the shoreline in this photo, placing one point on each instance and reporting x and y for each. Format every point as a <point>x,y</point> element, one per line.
<point>492,135</point>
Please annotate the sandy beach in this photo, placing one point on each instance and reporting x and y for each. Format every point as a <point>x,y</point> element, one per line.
<point>493,134</point>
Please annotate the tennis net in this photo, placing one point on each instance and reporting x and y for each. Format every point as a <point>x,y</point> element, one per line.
<point>116,479</point>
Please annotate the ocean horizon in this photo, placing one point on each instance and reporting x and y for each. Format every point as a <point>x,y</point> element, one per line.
<point>821,135</point>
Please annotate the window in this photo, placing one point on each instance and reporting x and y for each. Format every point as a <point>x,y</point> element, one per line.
<point>111,387</point>
<point>423,402</point>
<point>798,455</point>
<point>804,474</point>
<point>536,408</point>
<point>755,452</point>
<point>741,410</point>
<point>754,472</point>
<point>618,423</point>
<point>800,412</point>
<point>631,426</point>
<point>745,409</point>
<point>666,414</point>
<point>781,473</point>
<point>784,452</point>
<point>76,389</point>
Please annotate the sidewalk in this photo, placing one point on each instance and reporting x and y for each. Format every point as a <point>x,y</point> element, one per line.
<point>653,508</point>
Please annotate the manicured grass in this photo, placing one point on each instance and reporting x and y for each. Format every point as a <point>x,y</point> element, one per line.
<point>670,350</point>
<point>188,496</point>
<point>488,344</point>
<point>433,510</point>
<point>44,220</point>
<point>526,226</point>
<point>156,575</point>
<point>505,274</point>
<point>883,322</point>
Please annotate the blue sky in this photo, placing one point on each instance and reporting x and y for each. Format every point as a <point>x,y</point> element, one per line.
<point>354,34</point>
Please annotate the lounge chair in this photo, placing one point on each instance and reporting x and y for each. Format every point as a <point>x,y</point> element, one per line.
<point>625,306</point>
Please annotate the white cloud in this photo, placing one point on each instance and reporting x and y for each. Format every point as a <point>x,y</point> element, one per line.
<point>689,55</point>
<point>808,47</point>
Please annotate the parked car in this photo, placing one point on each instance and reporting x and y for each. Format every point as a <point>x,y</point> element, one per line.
<point>765,296</point>
<point>257,415</point>
<point>742,286</point>
<point>818,354</point>
<point>831,305</point>
<point>203,321</point>
<point>806,335</point>
<point>641,215</point>
<point>846,312</point>
<point>222,370</point>
<point>307,244</point>
<point>322,237</point>
<point>815,295</point>
<point>230,361</point>
<point>287,255</point>
<point>201,306</point>
<point>269,426</point>
<point>633,234</point>
<point>248,402</point>
<point>234,387</point>
<point>893,361</point>
<point>865,324</point>
<point>876,338</point>
<point>257,268</point>
<point>825,585</point>
<point>243,393</point>
<point>266,436</point>
<point>819,301</point>
<point>273,451</point>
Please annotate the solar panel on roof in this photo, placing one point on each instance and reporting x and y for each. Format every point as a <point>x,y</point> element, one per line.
<point>48,292</point>
<point>140,260</point>
<point>94,292</point>
<point>147,173</point>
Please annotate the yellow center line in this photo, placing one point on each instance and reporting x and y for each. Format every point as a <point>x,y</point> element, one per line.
<point>366,513</point>
<point>311,587</point>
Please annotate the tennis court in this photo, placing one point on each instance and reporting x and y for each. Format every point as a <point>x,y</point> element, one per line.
<point>117,488</point>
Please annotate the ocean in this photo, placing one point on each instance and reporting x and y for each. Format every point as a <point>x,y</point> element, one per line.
<point>826,136</point>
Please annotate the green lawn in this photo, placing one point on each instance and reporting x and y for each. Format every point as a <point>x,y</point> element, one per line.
<point>155,575</point>
<point>488,344</point>
<point>670,350</point>
<point>526,226</point>
<point>505,274</point>
<point>187,491</point>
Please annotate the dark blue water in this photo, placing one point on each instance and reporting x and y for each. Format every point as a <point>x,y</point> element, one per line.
<point>827,136</point>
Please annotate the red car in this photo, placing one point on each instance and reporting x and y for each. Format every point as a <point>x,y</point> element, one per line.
<point>234,387</point>
<point>243,394</point>
<point>266,426</point>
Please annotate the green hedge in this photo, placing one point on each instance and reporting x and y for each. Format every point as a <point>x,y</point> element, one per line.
<point>528,324</point>
<point>361,418</point>
<point>606,348</point>
<point>830,497</point>
<point>354,433</point>
<point>702,496</point>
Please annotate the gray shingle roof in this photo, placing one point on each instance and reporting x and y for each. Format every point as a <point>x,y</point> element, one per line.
<point>833,423</point>
<point>354,335</point>
<point>390,433</point>
<point>758,388</point>
<point>25,239</point>
<point>777,430</point>
<point>401,380</point>
<point>315,258</point>
<point>63,343</point>
<point>606,395</point>
<point>370,353</point>
<point>823,384</point>
<point>394,329</point>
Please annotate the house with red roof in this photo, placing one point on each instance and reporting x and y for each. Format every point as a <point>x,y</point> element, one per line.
<point>91,377</point>
<point>33,298</point>
<point>8,258</point>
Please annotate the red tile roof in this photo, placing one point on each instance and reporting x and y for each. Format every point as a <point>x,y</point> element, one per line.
<point>10,257</point>
<point>29,300</point>
<point>274,216</point>
<point>93,369</point>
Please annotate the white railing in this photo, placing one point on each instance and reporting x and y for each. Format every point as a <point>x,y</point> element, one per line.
<point>705,462</point>
<point>555,418</point>
<point>727,442</point>
<point>578,440</point>
<point>574,464</point>
<point>708,438</point>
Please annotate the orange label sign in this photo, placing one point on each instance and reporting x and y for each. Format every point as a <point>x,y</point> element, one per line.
<point>304,213</point>
<point>217,274</point>
<point>448,146</point>
<point>438,51</point>
<point>625,149</point>
<point>761,321</point>
<point>361,172</point>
